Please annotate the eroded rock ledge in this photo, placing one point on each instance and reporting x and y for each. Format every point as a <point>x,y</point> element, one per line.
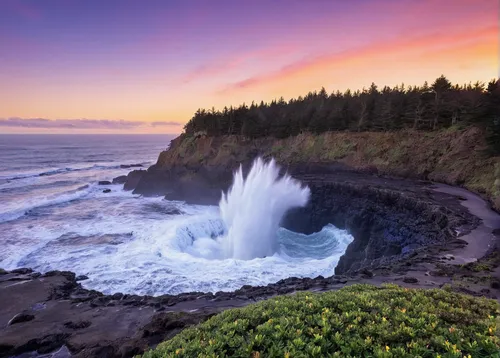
<point>389,218</point>
<point>42,313</point>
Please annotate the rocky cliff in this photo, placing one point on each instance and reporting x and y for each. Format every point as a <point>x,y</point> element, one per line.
<point>452,156</point>
<point>376,185</point>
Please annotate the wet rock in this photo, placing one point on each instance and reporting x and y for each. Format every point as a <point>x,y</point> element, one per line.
<point>120,179</point>
<point>410,279</point>
<point>49,343</point>
<point>104,182</point>
<point>68,274</point>
<point>78,324</point>
<point>21,317</point>
<point>81,278</point>
<point>106,191</point>
<point>127,166</point>
<point>207,296</point>
<point>22,271</point>
<point>129,351</point>
<point>15,277</point>
<point>117,296</point>
<point>133,179</point>
<point>100,301</point>
<point>81,295</point>
<point>365,273</point>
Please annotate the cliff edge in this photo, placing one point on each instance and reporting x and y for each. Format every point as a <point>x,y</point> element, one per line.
<point>451,156</point>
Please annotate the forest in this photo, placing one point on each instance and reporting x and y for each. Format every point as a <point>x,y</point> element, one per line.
<point>441,104</point>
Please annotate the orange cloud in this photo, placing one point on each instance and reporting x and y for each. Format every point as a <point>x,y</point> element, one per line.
<point>413,46</point>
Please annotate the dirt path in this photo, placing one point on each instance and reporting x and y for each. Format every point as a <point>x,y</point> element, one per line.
<point>481,239</point>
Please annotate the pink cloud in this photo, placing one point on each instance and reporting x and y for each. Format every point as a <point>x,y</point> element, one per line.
<point>435,41</point>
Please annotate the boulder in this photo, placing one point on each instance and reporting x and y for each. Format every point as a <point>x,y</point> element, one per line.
<point>106,191</point>
<point>104,182</point>
<point>120,180</point>
<point>21,317</point>
<point>133,179</point>
<point>410,279</point>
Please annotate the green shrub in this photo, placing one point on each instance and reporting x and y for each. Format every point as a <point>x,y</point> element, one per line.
<point>356,321</point>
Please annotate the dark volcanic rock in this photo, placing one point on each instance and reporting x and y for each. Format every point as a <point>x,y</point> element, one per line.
<point>55,311</point>
<point>120,180</point>
<point>91,324</point>
<point>389,218</point>
<point>81,278</point>
<point>200,186</point>
<point>409,279</point>
<point>133,179</point>
<point>386,224</point>
<point>105,191</point>
<point>21,317</point>
<point>366,273</point>
<point>104,182</point>
<point>78,324</point>
<point>22,271</point>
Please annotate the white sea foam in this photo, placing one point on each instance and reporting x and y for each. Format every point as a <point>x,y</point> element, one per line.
<point>253,207</point>
<point>15,210</point>
<point>126,243</point>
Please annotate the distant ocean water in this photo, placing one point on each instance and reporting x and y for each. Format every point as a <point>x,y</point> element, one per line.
<point>54,216</point>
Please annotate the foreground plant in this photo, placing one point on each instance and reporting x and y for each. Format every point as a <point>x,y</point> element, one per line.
<point>356,321</point>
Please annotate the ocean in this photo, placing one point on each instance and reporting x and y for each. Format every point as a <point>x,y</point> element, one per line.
<point>55,216</point>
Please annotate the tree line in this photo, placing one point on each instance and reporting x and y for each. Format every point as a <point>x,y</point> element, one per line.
<point>427,107</point>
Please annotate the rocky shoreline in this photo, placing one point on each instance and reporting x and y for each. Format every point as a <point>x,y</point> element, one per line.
<point>413,233</point>
<point>388,217</point>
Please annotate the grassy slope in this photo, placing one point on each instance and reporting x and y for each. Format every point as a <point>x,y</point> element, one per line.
<point>355,321</point>
<point>450,156</point>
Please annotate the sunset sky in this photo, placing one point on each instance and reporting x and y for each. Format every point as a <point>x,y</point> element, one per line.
<point>145,66</point>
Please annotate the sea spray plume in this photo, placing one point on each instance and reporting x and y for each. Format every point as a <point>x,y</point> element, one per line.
<point>253,208</point>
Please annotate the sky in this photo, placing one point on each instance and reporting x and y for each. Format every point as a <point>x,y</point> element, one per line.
<point>145,66</point>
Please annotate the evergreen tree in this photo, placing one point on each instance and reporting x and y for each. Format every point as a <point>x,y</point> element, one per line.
<point>428,107</point>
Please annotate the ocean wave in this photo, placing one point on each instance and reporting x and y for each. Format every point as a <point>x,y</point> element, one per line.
<point>57,171</point>
<point>25,207</point>
<point>31,186</point>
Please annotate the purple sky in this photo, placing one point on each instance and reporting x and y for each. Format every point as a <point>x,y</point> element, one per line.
<point>152,60</point>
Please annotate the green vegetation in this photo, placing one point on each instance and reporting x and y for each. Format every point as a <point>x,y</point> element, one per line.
<point>427,107</point>
<point>356,321</point>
